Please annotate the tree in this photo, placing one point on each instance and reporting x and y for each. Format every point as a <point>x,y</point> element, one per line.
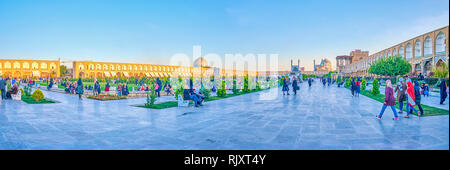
<point>375,87</point>
<point>363,84</point>
<point>246,89</point>
<point>222,91</point>
<point>391,66</point>
<point>63,69</point>
<point>440,71</point>
<point>348,82</point>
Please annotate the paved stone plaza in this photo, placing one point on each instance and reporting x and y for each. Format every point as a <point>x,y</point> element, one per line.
<point>317,118</point>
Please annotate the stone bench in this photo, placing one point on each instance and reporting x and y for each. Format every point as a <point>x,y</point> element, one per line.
<point>17,96</point>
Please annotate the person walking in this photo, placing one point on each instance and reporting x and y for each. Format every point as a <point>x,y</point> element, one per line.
<point>400,89</point>
<point>50,85</point>
<point>443,90</point>
<point>417,98</point>
<point>80,89</point>
<point>158,81</point>
<point>285,86</point>
<point>2,88</point>
<point>410,98</point>
<point>358,87</point>
<point>309,81</point>
<point>389,100</point>
<point>353,87</point>
<point>295,85</point>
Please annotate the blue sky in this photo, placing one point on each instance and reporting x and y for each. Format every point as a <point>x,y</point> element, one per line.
<point>147,31</point>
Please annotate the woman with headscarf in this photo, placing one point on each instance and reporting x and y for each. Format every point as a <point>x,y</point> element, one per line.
<point>401,93</point>
<point>80,89</point>
<point>389,100</point>
<point>410,98</point>
<point>107,86</point>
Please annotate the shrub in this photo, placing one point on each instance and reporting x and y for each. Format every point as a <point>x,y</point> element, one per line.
<point>38,95</point>
<point>348,83</point>
<point>258,85</point>
<point>21,91</point>
<point>151,95</point>
<point>375,87</point>
<point>440,71</point>
<point>206,92</point>
<point>363,84</point>
<point>222,91</point>
<point>246,89</point>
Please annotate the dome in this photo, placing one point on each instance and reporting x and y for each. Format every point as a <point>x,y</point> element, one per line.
<point>200,62</point>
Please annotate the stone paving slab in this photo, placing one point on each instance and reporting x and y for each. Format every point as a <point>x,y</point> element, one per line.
<point>323,118</point>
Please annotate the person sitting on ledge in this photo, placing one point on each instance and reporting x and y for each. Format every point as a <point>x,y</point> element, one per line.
<point>13,90</point>
<point>197,97</point>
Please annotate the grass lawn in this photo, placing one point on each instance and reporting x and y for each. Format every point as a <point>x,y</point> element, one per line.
<point>170,104</point>
<point>428,110</point>
<point>30,100</point>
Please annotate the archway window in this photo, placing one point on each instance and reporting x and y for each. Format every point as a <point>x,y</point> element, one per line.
<point>26,65</point>
<point>393,52</point>
<point>124,67</point>
<point>16,65</point>
<point>91,66</point>
<point>118,67</point>
<point>417,51</point>
<point>105,67</point>
<point>401,51</point>
<point>81,67</point>
<point>98,67</point>
<point>130,67</point>
<point>52,66</point>
<point>43,65</point>
<point>111,67</point>
<point>440,44</point>
<point>0,65</point>
<point>408,51</point>
<point>427,47</point>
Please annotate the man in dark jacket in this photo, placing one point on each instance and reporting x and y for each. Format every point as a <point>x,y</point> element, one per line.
<point>443,90</point>
<point>159,87</point>
<point>417,97</point>
<point>2,88</point>
<point>295,86</point>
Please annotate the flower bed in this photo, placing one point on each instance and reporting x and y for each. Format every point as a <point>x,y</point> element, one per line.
<point>104,97</point>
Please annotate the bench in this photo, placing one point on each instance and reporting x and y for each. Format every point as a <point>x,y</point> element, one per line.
<point>183,100</point>
<point>17,96</point>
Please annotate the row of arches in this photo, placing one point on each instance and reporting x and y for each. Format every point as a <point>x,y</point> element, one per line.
<point>26,65</point>
<point>418,48</point>
<point>127,67</point>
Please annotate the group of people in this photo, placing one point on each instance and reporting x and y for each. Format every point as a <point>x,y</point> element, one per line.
<point>287,82</point>
<point>7,94</point>
<point>355,86</point>
<point>326,80</point>
<point>407,91</point>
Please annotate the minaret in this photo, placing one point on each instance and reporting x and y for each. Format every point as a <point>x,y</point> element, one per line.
<point>314,64</point>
